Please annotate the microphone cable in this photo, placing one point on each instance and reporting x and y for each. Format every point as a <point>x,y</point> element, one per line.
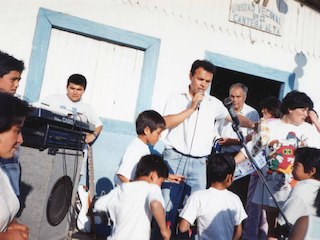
<point>182,188</point>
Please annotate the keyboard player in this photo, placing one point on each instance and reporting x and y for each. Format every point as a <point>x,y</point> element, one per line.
<point>72,101</point>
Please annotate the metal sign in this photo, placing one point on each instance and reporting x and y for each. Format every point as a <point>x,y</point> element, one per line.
<point>261,15</point>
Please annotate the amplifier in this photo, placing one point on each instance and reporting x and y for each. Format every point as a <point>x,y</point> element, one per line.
<point>43,135</point>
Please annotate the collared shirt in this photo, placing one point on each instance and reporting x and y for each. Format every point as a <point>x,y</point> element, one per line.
<point>225,130</point>
<point>194,136</point>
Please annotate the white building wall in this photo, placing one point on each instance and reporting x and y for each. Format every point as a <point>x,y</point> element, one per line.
<point>186,28</point>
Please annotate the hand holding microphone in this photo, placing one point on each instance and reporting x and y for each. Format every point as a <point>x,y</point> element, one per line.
<point>199,96</point>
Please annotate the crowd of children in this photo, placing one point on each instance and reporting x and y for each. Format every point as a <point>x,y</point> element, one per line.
<point>288,136</point>
<point>137,198</point>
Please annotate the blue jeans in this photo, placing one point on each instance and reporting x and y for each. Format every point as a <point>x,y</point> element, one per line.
<point>193,169</point>
<point>12,168</point>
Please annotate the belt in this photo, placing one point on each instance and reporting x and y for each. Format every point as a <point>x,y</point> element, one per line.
<point>186,155</point>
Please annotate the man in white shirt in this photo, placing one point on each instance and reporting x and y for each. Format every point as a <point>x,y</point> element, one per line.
<point>190,115</point>
<point>72,101</point>
<point>229,140</point>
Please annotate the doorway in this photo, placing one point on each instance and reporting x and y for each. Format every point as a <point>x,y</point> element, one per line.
<point>262,81</point>
<point>258,87</point>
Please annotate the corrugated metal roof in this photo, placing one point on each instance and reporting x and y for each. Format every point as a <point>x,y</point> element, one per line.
<point>315,4</point>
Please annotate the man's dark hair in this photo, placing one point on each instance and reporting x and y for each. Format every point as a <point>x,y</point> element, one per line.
<point>9,63</point>
<point>151,119</point>
<point>294,100</point>
<point>151,163</point>
<point>206,65</point>
<point>273,105</point>
<point>78,79</point>
<point>12,111</point>
<point>309,158</point>
<point>219,166</point>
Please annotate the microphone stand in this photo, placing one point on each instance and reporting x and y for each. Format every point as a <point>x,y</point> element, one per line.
<point>237,130</point>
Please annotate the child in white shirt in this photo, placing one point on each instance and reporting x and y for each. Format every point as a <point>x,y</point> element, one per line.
<point>306,170</point>
<point>132,205</point>
<point>218,211</point>
<point>149,125</point>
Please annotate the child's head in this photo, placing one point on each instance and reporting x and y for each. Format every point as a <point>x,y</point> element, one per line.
<point>152,166</point>
<point>306,164</point>
<point>150,123</point>
<point>219,166</point>
<point>271,107</point>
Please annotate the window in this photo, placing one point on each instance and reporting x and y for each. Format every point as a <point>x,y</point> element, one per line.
<point>120,66</point>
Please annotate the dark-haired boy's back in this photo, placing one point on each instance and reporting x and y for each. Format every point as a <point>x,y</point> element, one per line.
<point>132,205</point>
<point>218,211</point>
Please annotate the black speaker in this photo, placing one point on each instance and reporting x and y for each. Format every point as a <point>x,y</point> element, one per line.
<point>48,191</point>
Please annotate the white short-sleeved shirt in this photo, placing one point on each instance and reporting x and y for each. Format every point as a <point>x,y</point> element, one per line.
<point>217,213</point>
<point>127,168</point>
<point>300,201</point>
<point>225,130</point>
<point>84,111</point>
<point>197,130</point>
<point>9,203</point>
<point>129,209</point>
<point>313,231</point>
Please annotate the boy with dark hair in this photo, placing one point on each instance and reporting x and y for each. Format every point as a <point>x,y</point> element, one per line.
<point>306,170</point>
<point>10,76</point>
<point>149,125</point>
<point>12,115</point>
<point>218,211</point>
<point>132,205</point>
<point>10,73</point>
<point>77,79</point>
<point>270,107</point>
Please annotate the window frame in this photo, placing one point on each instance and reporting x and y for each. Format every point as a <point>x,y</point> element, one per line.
<point>48,19</point>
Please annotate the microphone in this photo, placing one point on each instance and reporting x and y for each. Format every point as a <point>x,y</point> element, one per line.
<point>198,106</point>
<point>227,102</point>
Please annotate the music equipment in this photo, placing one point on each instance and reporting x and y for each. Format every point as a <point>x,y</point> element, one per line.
<point>61,118</point>
<point>48,191</point>
<point>45,129</point>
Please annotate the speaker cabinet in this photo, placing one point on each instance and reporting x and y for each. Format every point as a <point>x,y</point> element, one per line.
<point>48,191</point>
